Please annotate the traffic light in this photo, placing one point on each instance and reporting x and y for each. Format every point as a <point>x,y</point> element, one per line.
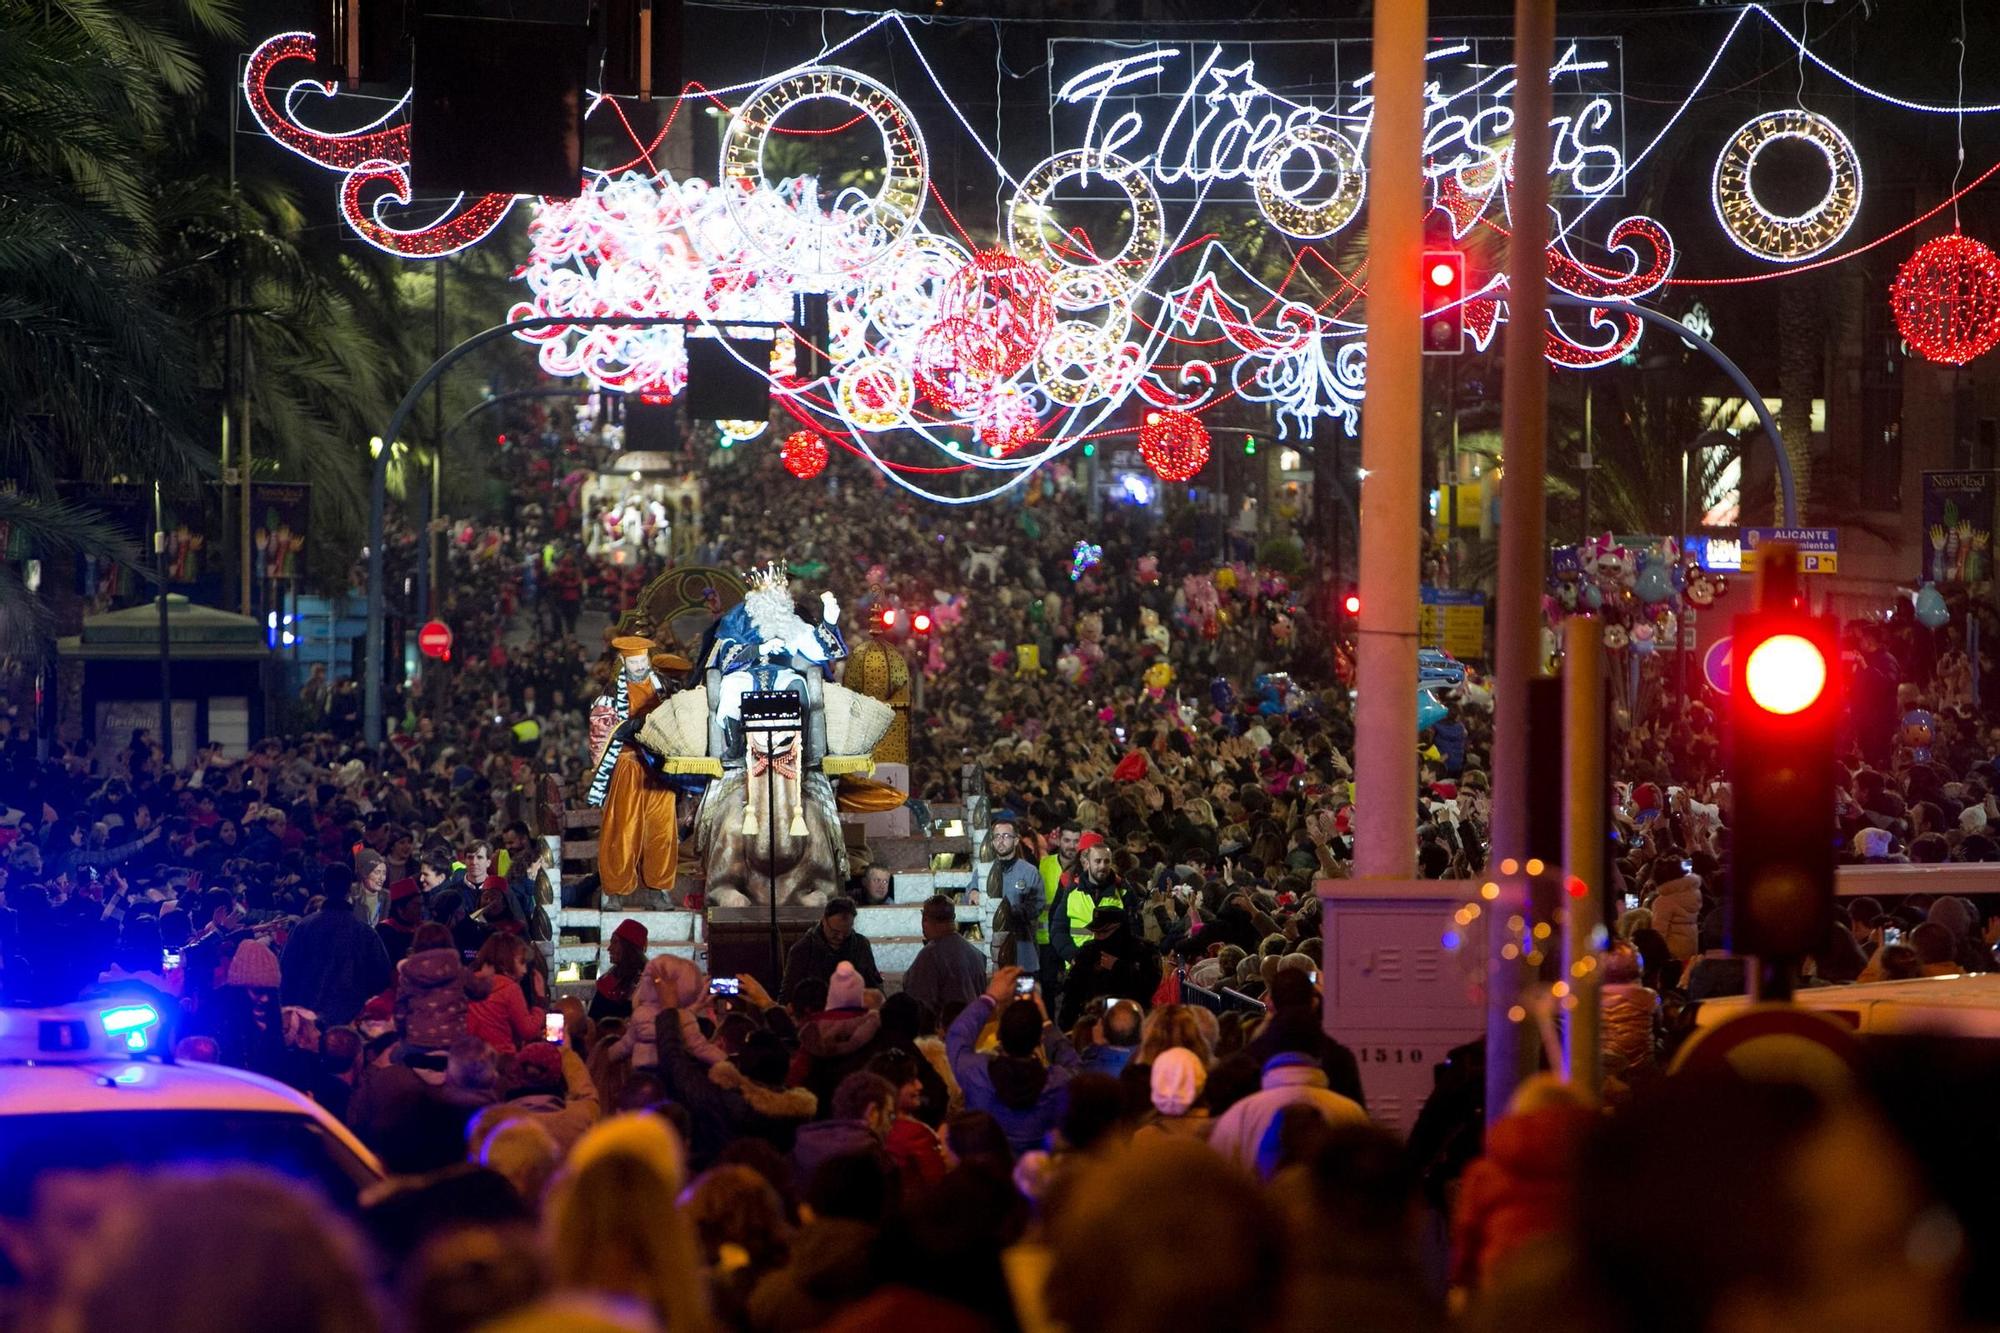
<point>1784,705</point>
<point>920,623</point>
<point>1444,302</point>
<point>1350,603</point>
<point>888,617</point>
<point>1249,446</point>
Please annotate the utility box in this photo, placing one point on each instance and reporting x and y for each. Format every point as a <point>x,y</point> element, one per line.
<point>1394,994</point>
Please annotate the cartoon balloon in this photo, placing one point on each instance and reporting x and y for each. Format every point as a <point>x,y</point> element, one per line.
<point>1931,610</point>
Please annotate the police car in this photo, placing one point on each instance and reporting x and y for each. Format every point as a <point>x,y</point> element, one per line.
<point>83,1089</point>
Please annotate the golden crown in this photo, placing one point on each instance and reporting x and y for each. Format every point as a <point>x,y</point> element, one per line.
<point>772,576</point>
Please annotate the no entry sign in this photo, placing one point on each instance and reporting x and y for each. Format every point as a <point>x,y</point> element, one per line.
<point>434,640</point>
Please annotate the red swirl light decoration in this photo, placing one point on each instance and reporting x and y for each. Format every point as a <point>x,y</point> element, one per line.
<point>374,155</point>
<point>1008,296</point>
<point>1946,299</point>
<point>1174,444</point>
<point>804,454</point>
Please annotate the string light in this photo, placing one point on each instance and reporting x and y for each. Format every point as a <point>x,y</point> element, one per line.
<point>1028,216</point>
<point>804,454</point>
<point>1946,299</point>
<point>1781,238</point>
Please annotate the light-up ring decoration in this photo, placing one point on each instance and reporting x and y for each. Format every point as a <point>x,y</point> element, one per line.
<point>1773,236</point>
<point>1029,222</point>
<point>811,236</point>
<point>875,393</point>
<point>1329,151</point>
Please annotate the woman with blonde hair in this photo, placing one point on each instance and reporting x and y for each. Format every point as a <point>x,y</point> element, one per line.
<point>1169,1026</point>
<point>613,1228</point>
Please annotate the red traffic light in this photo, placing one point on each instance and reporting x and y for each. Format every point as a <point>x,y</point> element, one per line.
<point>921,623</point>
<point>889,617</point>
<point>1785,674</point>
<point>1444,273</point>
<point>1351,604</point>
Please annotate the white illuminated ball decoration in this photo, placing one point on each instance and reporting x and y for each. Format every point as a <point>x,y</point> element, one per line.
<point>1775,236</point>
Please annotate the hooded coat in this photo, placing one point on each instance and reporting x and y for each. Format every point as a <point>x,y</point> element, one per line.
<point>434,991</point>
<point>833,1045</point>
<point>1027,1097</point>
<point>667,983</point>
<point>1518,1192</point>
<point>1677,914</point>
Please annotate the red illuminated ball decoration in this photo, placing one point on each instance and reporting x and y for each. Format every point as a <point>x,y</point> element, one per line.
<point>1174,444</point>
<point>956,362</point>
<point>1006,421</point>
<point>1946,299</point>
<point>1006,296</point>
<point>804,454</point>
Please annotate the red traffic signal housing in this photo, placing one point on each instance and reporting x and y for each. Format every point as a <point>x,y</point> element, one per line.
<point>1444,302</point>
<point>1784,710</point>
<point>1351,603</point>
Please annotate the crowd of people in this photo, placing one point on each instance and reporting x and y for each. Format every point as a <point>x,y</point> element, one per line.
<point>1119,1109</point>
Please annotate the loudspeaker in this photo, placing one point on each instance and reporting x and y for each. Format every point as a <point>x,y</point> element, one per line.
<point>811,336</point>
<point>727,380</point>
<point>633,31</point>
<point>497,107</point>
<point>654,427</point>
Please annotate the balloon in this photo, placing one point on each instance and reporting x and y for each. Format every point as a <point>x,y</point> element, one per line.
<point>1642,639</point>
<point>1615,637</point>
<point>1931,610</point>
<point>1429,710</point>
<point>1653,584</point>
<point>1593,596</point>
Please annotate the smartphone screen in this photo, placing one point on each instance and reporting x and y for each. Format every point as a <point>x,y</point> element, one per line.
<point>1631,901</point>
<point>170,959</point>
<point>725,986</point>
<point>1024,985</point>
<point>552,1027</point>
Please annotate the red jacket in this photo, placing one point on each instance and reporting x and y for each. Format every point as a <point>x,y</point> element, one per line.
<point>503,1019</point>
<point>1518,1192</point>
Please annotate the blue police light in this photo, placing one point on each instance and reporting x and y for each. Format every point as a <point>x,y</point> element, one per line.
<point>134,1022</point>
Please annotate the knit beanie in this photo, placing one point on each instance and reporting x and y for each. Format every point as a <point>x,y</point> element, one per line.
<point>253,964</point>
<point>844,989</point>
<point>1178,1078</point>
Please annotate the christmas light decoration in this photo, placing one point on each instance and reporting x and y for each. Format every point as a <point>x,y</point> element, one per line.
<point>803,234</point>
<point>373,158</point>
<point>1001,360</point>
<point>1279,202</point>
<point>1030,220</point>
<point>1174,444</point>
<point>804,454</point>
<point>1775,236</point>
<point>1946,299</point>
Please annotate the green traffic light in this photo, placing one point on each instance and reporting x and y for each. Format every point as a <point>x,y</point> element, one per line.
<point>1090,451</point>
<point>1249,444</point>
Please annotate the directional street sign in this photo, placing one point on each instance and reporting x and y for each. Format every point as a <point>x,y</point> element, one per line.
<point>1819,548</point>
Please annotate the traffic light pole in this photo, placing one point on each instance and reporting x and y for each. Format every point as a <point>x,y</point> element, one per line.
<point>1391,421</point>
<point>1511,1045</point>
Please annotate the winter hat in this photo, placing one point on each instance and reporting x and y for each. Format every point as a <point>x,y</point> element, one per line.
<point>538,1068</point>
<point>844,989</point>
<point>632,932</point>
<point>253,965</point>
<point>1646,796</point>
<point>403,889</point>
<point>1088,841</point>
<point>1178,1078</point>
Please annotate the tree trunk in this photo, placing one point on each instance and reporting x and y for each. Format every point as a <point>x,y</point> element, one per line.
<point>1801,351</point>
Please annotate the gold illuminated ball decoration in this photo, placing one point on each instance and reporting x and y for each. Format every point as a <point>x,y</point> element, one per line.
<point>812,236</point>
<point>875,392</point>
<point>1775,236</point>
<point>1329,152</point>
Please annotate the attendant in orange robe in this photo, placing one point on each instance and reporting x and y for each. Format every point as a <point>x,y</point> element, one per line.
<point>639,843</point>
